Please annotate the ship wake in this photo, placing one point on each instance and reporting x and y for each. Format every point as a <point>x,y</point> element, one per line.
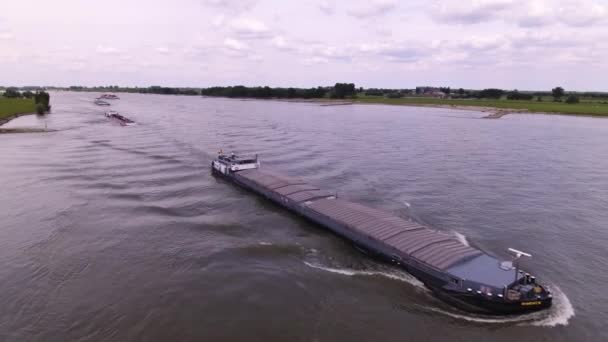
<point>387,273</point>
<point>560,313</point>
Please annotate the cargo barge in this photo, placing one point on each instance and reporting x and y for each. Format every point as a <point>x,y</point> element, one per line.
<point>101,102</point>
<point>108,97</point>
<point>123,121</point>
<point>461,275</point>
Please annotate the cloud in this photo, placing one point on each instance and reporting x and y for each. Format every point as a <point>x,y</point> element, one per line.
<point>235,45</point>
<point>482,43</point>
<point>536,13</point>
<point>231,6</point>
<point>582,13</point>
<point>256,58</point>
<point>315,60</point>
<point>162,50</point>
<point>106,50</point>
<point>327,8</point>
<point>280,43</point>
<point>373,8</point>
<point>6,35</point>
<point>397,51</point>
<point>236,48</point>
<point>469,11</point>
<point>524,13</point>
<point>545,40</point>
<point>334,52</point>
<point>218,20</point>
<point>319,53</point>
<point>75,66</point>
<point>248,28</point>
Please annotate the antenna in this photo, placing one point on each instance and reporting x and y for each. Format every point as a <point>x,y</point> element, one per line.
<point>518,254</point>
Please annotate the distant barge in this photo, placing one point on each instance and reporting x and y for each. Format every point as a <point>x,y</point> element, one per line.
<point>123,121</point>
<point>100,102</point>
<point>457,273</point>
<point>108,97</point>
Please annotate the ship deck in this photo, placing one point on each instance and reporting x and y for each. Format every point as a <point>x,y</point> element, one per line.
<point>434,248</point>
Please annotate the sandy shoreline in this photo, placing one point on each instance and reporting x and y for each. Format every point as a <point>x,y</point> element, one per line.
<point>7,119</point>
<point>25,130</point>
<point>492,112</point>
<point>20,130</point>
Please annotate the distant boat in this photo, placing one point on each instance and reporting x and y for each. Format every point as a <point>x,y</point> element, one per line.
<point>121,119</point>
<point>108,97</point>
<point>101,102</point>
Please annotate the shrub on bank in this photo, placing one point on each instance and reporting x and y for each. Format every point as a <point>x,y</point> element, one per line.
<point>516,95</point>
<point>40,108</point>
<point>42,100</point>
<point>572,99</point>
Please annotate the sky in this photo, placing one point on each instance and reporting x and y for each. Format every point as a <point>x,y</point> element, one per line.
<point>510,44</point>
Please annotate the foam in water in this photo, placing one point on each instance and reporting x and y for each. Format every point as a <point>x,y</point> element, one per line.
<point>559,314</point>
<point>561,311</point>
<point>391,274</point>
<point>461,238</point>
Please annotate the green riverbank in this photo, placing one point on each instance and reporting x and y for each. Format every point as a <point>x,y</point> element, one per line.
<point>10,108</point>
<point>585,107</point>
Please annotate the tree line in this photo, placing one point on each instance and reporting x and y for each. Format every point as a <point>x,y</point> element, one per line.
<point>147,90</point>
<point>348,90</point>
<point>338,91</point>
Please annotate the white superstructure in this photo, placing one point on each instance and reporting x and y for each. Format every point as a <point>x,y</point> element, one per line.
<point>226,164</point>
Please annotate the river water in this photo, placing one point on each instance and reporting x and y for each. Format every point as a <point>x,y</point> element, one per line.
<point>121,233</point>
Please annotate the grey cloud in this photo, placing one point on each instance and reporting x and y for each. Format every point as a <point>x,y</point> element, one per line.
<point>468,12</point>
<point>544,40</point>
<point>373,8</point>
<point>403,54</point>
<point>534,21</point>
<point>524,13</point>
<point>481,43</point>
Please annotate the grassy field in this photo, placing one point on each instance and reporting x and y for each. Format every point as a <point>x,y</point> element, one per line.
<point>585,107</point>
<point>10,107</point>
